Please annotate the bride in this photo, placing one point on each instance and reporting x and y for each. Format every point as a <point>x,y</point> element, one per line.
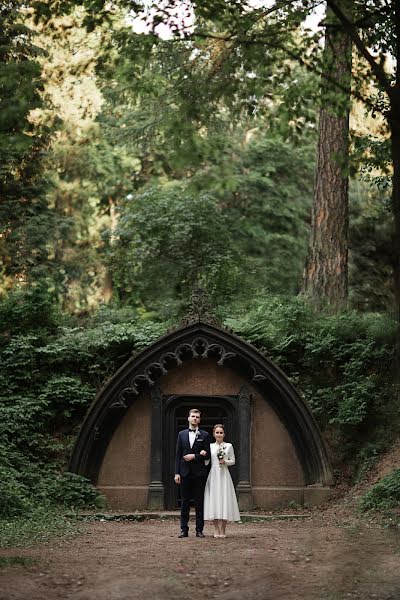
<point>220,504</point>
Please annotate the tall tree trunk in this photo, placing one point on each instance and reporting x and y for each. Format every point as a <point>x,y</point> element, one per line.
<point>325,273</point>
<point>108,281</point>
<point>395,144</point>
<point>394,122</point>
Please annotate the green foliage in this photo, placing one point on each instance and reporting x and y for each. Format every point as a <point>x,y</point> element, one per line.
<point>40,525</point>
<point>384,495</point>
<point>28,308</point>
<point>254,156</point>
<point>342,364</point>
<point>197,81</point>
<point>100,348</point>
<point>167,240</point>
<point>265,185</point>
<point>73,491</point>
<point>371,252</point>
<point>87,173</point>
<point>11,561</point>
<point>182,110</point>
<point>24,213</point>
<point>14,494</point>
<point>240,218</point>
<point>63,390</point>
<point>367,458</point>
<point>50,373</point>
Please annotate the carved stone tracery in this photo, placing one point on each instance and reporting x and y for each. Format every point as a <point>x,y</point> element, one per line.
<point>199,310</point>
<point>199,347</point>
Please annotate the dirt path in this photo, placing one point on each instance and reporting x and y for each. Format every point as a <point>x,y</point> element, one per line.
<point>310,559</point>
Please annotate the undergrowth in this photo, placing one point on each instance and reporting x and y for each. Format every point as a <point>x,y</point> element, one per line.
<point>384,495</point>
<point>38,526</point>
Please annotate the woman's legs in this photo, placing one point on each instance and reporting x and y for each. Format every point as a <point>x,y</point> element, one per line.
<point>222,526</point>
<point>216,528</point>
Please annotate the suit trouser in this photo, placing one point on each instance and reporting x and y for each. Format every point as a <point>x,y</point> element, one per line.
<point>192,487</point>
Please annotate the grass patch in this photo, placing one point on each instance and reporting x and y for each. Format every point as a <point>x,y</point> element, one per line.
<point>384,495</point>
<point>111,517</point>
<point>16,561</point>
<point>38,526</point>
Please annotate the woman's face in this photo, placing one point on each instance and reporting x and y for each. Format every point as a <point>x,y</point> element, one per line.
<point>219,435</point>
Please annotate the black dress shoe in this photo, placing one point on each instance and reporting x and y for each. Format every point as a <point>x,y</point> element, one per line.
<point>200,534</point>
<point>183,534</point>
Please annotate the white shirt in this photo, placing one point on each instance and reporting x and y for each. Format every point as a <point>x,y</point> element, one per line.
<point>192,436</point>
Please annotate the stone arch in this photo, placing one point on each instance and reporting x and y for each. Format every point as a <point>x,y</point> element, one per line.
<point>199,341</point>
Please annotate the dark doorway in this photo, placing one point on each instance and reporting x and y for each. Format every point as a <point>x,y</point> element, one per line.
<point>214,409</point>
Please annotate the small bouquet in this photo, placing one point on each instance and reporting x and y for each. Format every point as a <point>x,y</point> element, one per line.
<point>221,453</point>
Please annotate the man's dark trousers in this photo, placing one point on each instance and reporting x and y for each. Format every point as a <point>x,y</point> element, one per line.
<point>192,487</point>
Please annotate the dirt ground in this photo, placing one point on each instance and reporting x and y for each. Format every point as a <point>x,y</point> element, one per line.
<point>313,558</point>
<point>331,554</point>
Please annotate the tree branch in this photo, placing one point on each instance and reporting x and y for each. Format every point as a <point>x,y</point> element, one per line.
<point>359,44</point>
<point>346,90</point>
<point>279,5</point>
<point>301,60</point>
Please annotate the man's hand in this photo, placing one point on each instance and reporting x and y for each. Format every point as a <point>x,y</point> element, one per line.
<point>177,479</point>
<point>189,457</point>
<point>203,453</point>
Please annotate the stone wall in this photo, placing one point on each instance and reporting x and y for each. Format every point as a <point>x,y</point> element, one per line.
<point>276,475</point>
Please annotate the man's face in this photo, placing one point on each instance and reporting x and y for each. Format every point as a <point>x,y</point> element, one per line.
<point>194,419</point>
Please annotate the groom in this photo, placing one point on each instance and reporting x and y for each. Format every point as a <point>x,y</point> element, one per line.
<point>192,454</point>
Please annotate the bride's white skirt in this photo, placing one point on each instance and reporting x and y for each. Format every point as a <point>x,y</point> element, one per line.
<point>219,496</point>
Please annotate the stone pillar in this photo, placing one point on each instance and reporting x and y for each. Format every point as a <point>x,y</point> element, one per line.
<point>245,495</point>
<point>156,487</point>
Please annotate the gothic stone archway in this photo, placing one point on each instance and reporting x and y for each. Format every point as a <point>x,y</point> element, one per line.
<point>120,445</point>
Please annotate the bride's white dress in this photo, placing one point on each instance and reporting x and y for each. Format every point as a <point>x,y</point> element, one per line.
<point>219,496</point>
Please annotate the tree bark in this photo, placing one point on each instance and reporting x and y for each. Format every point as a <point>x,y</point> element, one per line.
<point>394,123</point>
<point>108,280</point>
<point>395,145</point>
<point>325,273</point>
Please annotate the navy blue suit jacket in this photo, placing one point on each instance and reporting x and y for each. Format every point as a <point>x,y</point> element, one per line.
<point>195,467</point>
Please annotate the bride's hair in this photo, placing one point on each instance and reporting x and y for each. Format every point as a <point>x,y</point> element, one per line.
<point>218,425</point>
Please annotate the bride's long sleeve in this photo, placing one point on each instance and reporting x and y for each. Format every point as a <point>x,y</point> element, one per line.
<point>230,456</point>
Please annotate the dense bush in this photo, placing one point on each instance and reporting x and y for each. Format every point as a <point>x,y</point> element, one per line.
<point>14,499</point>
<point>73,491</point>
<point>343,366</point>
<point>50,371</point>
<point>383,495</point>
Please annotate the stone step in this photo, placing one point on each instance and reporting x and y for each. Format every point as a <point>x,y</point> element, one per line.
<point>163,515</point>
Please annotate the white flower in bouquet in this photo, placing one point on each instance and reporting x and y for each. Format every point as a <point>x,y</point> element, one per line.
<point>221,453</point>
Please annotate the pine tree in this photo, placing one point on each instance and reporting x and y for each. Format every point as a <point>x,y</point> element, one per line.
<point>325,279</point>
